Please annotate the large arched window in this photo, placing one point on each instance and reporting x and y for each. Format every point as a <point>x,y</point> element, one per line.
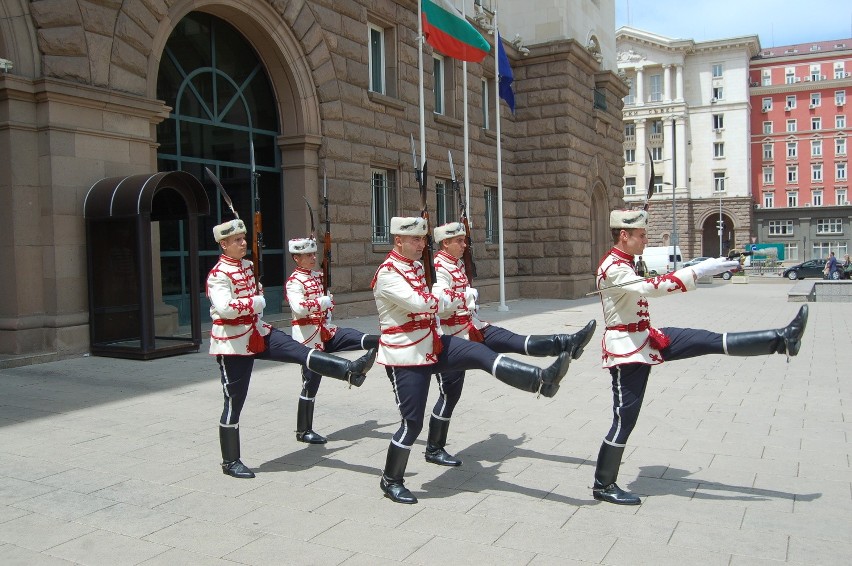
<point>222,108</point>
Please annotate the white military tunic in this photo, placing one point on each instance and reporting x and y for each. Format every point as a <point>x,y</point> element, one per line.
<point>310,323</point>
<point>451,281</point>
<point>231,289</point>
<point>629,337</point>
<point>407,313</point>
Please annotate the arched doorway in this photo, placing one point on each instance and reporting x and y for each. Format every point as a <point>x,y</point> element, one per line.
<point>223,107</point>
<point>710,246</point>
<point>601,240</point>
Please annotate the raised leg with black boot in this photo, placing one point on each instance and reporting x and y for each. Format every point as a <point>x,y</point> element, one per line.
<point>785,340</point>
<point>229,441</point>
<point>605,488</point>
<point>553,344</point>
<point>544,381</point>
<point>392,482</point>
<point>354,372</point>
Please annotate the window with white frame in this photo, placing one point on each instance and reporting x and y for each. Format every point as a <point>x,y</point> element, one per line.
<point>791,125</point>
<point>657,127</point>
<point>816,198</point>
<point>840,121</point>
<point>657,153</point>
<point>766,77</point>
<point>658,184</point>
<point>840,146</point>
<point>816,172</point>
<point>717,70</point>
<point>383,184</point>
<point>768,153</point>
<point>446,210</point>
<point>780,227</point>
<point>790,101</point>
<point>655,85</point>
<point>840,197</point>
<point>816,99</point>
<point>718,149</point>
<point>816,123</point>
<point>816,148</point>
<point>768,175</point>
<point>815,72</point>
<point>718,92</point>
<point>840,171</point>
<point>789,75</point>
<point>377,59</point>
<point>767,127</point>
<point>767,103</point>
<point>822,249</point>
<point>768,200</point>
<point>718,121</point>
<point>629,186</point>
<point>792,173</point>
<point>718,181</point>
<point>792,149</point>
<point>792,199</point>
<point>839,97</point>
<point>791,251</point>
<point>629,130</point>
<point>839,70</point>
<point>492,225</point>
<point>830,226</point>
<point>485,101</point>
<point>381,57</point>
<point>630,155</point>
<point>438,83</point>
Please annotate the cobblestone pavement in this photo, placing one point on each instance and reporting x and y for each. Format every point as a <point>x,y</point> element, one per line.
<point>741,461</point>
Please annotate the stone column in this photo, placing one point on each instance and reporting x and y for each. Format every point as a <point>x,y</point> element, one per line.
<point>640,86</point>
<point>641,153</point>
<point>667,83</point>
<point>678,83</point>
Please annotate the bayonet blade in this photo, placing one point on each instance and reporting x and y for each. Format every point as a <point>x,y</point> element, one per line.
<point>222,191</point>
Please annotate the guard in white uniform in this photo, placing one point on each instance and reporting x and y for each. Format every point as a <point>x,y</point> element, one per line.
<point>631,345</point>
<point>460,318</point>
<point>413,350</point>
<point>311,308</point>
<point>239,336</point>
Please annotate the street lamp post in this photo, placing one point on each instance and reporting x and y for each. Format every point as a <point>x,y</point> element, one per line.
<point>674,185</point>
<point>721,227</point>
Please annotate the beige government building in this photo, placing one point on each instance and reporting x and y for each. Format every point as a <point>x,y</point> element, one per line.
<point>95,92</point>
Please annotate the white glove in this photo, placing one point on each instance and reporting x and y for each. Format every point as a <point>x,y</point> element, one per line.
<point>258,303</point>
<point>471,296</point>
<point>326,302</point>
<point>714,266</point>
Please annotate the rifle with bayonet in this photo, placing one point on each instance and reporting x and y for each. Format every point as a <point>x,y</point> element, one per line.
<point>326,246</point>
<point>427,259</point>
<point>467,256</point>
<point>257,241</point>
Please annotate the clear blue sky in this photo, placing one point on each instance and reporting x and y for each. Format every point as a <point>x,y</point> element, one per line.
<point>776,22</point>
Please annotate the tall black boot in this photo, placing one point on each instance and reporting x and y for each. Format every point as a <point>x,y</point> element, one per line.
<point>229,441</point>
<point>534,379</point>
<point>370,341</point>
<point>435,452</point>
<point>392,479</point>
<point>785,340</point>
<point>605,488</point>
<point>552,345</point>
<point>354,372</point>
<point>305,423</point>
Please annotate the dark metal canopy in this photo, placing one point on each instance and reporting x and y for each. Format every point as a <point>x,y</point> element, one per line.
<point>123,197</point>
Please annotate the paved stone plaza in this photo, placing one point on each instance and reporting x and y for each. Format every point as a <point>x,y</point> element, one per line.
<point>741,461</point>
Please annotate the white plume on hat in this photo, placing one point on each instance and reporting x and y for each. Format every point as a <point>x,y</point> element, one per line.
<point>229,228</point>
<point>302,246</point>
<point>449,230</point>
<point>408,226</point>
<point>628,219</point>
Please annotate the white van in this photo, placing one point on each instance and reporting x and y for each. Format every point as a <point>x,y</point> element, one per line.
<point>661,258</point>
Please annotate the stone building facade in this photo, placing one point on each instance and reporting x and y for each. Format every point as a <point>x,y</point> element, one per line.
<point>87,95</point>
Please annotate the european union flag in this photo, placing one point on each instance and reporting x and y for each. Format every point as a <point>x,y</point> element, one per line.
<point>504,73</point>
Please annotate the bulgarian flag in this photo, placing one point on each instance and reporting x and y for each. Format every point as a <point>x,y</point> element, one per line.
<point>448,32</point>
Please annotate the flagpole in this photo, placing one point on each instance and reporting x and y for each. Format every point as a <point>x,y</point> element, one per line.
<point>420,79</point>
<point>502,306</point>
<point>466,137</point>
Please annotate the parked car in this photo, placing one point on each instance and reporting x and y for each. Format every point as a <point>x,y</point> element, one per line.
<point>728,274</point>
<point>810,268</point>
